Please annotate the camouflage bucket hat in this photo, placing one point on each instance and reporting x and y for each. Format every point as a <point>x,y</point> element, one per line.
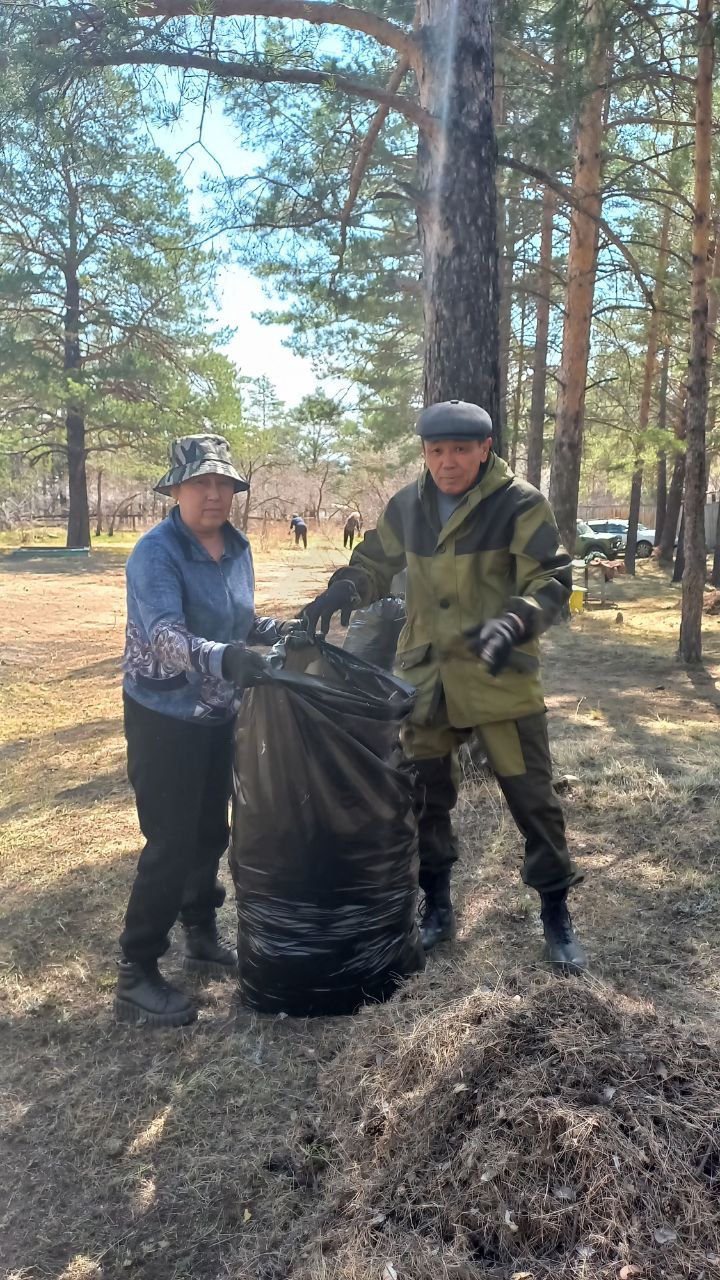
<point>199,456</point>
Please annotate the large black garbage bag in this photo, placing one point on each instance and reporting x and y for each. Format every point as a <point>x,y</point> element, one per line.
<point>324,844</point>
<point>374,631</point>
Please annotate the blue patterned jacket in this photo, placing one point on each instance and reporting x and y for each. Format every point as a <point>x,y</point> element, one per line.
<point>183,609</point>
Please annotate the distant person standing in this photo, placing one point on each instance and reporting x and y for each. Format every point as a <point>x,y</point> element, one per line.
<point>299,528</point>
<point>353,525</point>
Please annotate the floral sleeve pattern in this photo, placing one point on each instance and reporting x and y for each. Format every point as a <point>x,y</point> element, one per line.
<point>177,649</point>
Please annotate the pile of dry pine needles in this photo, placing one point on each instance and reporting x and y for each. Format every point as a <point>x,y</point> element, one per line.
<point>562,1131</point>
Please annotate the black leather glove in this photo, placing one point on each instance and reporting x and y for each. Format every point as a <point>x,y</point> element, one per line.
<point>341,597</point>
<point>494,641</point>
<point>242,667</point>
<point>295,633</point>
<point>291,627</point>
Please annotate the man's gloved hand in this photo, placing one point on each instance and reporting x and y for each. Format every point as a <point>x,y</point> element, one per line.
<point>295,633</point>
<point>242,667</point>
<point>341,597</point>
<point>494,641</point>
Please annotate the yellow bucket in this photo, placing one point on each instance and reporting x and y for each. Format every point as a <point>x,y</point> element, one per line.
<point>577,599</point>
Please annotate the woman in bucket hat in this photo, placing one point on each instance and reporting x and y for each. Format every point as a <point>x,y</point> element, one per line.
<point>191,617</point>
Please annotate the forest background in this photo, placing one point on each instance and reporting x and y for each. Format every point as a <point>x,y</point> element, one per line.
<point>572,307</point>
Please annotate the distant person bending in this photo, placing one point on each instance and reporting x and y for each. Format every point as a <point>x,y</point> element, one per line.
<point>299,528</point>
<point>191,614</point>
<point>353,525</point>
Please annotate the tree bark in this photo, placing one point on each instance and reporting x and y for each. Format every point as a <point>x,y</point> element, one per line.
<point>536,434</point>
<point>660,494</point>
<point>715,573</point>
<point>713,312</point>
<point>457,219</point>
<point>666,549</point>
<point>517,399</point>
<point>690,649</point>
<point>679,564</point>
<point>633,516</point>
<point>661,484</point>
<point>508,224</point>
<point>655,319</point>
<point>504,210</point>
<point>99,504</point>
<point>78,530</point>
<point>582,266</point>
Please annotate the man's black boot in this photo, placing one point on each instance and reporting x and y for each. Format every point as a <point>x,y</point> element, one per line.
<point>562,947</point>
<point>438,923</point>
<point>144,996</point>
<point>206,954</point>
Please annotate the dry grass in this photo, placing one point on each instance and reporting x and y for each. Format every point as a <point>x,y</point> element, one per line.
<point>556,1130</point>
<point>251,1147</point>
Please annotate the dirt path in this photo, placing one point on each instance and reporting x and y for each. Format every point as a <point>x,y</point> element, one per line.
<point>191,1155</point>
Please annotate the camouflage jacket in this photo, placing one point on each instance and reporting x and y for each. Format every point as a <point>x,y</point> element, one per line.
<point>499,551</point>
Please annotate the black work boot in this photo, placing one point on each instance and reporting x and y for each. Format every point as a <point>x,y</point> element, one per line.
<point>206,954</point>
<point>438,923</point>
<point>562,947</point>
<point>144,996</point>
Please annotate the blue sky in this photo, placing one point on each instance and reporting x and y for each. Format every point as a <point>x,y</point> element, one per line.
<point>257,349</point>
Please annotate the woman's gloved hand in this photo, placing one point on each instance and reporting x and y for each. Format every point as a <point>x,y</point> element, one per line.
<point>341,597</point>
<point>494,641</point>
<point>242,667</point>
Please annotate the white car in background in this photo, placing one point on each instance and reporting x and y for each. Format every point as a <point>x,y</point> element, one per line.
<point>645,540</point>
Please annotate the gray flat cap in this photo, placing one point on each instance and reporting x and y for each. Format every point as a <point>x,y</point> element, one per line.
<point>454,420</point>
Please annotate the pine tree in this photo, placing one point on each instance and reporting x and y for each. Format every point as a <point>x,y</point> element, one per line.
<point>102,284</point>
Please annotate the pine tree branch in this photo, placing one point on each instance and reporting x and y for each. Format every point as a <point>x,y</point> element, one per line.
<point>655,121</point>
<point>362,160</point>
<point>319,12</point>
<point>568,195</point>
<point>267,73</point>
<point>534,60</point>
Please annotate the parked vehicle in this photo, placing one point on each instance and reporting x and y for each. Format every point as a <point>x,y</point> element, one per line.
<point>589,543</point>
<point>645,537</point>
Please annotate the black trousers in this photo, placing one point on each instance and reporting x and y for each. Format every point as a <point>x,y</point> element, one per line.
<point>181,773</point>
<point>300,533</point>
<point>348,537</point>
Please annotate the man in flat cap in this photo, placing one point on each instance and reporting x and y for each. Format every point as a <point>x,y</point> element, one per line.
<point>486,575</point>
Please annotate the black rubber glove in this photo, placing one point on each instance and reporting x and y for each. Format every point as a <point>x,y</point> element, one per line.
<point>340,597</point>
<point>295,633</point>
<point>242,667</point>
<point>494,641</point>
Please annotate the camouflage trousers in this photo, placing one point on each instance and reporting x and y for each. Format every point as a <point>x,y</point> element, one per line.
<point>519,754</point>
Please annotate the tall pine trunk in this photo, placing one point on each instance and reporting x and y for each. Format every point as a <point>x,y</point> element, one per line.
<point>78,530</point>
<point>581,271</point>
<point>634,514</point>
<point>457,219</point>
<point>518,396</point>
<point>655,320</point>
<point>694,505</point>
<point>661,483</point>
<point>536,434</point>
<point>713,313</point>
<point>666,548</point>
<point>506,237</point>
<point>679,564</point>
<point>510,207</point>
<point>99,504</point>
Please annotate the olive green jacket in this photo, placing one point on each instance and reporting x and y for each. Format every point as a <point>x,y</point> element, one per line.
<point>499,551</point>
